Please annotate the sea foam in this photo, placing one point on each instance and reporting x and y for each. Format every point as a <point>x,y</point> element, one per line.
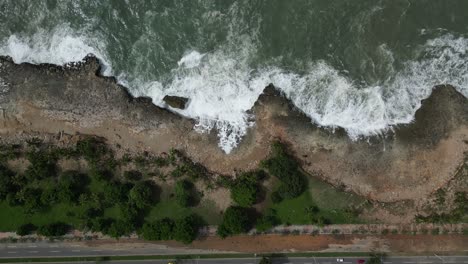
<point>222,84</point>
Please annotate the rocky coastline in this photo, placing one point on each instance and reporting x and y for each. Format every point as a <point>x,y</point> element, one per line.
<point>405,165</point>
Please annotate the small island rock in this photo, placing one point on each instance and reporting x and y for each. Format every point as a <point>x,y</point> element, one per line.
<point>175,101</point>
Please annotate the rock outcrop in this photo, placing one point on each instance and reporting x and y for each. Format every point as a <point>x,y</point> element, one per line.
<point>176,101</point>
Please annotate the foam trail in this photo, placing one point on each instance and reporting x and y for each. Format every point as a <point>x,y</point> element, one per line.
<point>59,46</point>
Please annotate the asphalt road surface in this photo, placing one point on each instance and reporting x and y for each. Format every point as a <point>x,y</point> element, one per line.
<point>42,249</point>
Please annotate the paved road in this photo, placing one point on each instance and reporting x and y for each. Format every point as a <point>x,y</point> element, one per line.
<point>317,260</point>
<point>44,249</point>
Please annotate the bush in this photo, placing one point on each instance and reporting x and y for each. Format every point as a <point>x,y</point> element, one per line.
<point>6,182</point>
<point>30,198</point>
<point>286,169</point>
<point>53,229</point>
<point>119,228</point>
<point>42,166</point>
<point>25,229</point>
<point>132,175</point>
<point>141,194</point>
<point>161,229</point>
<point>91,149</point>
<point>186,229</point>
<point>116,192</point>
<point>235,221</point>
<point>245,188</point>
<point>100,224</point>
<point>71,185</point>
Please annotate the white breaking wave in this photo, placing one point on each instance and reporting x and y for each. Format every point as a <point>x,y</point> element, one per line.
<point>60,46</point>
<point>222,85</point>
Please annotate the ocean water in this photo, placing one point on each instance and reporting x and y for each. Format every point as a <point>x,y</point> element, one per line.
<point>362,65</point>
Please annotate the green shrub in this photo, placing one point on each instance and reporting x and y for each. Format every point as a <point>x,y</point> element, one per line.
<point>116,192</point>
<point>161,229</point>
<point>186,229</point>
<point>286,169</point>
<point>141,194</point>
<point>42,165</point>
<point>91,149</point>
<point>119,228</point>
<point>132,175</point>
<point>71,185</point>
<point>25,229</point>
<point>6,182</point>
<point>235,221</point>
<point>244,189</point>
<point>53,229</point>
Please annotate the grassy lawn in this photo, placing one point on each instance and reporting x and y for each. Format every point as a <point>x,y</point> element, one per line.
<point>168,207</point>
<point>331,202</point>
<point>12,217</point>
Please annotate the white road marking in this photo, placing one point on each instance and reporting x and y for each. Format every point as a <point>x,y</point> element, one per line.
<point>11,246</point>
<point>12,252</point>
<point>75,250</point>
<point>33,251</point>
<point>97,250</point>
<point>32,246</point>
<point>55,251</point>
<point>54,246</point>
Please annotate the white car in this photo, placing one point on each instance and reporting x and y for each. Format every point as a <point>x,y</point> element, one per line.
<point>339,260</point>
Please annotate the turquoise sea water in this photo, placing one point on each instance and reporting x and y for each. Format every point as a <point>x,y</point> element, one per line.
<point>363,65</point>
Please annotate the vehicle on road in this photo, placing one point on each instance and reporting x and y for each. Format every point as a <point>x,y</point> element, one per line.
<point>339,260</point>
<point>361,261</point>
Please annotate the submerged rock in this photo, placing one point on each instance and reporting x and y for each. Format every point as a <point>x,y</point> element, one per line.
<point>176,101</point>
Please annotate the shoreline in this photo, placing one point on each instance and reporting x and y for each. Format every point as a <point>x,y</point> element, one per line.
<point>410,164</point>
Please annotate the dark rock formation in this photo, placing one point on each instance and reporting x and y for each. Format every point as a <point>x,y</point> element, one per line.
<point>175,101</point>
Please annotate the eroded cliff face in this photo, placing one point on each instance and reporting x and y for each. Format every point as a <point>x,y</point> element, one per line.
<point>408,164</point>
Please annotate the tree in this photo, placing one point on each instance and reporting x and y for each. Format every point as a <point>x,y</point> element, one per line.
<point>245,188</point>
<point>30,198</point>
<point>42,165</point>
<point>116,192</point>
<point>286,169</point>
<point>235,221</point>
<point>141,194</point>
<point>53,229</point>
<point>100,224</point>
<point>49,196</point>
<point>6,181</point>
<point>71,185</point>
<point>158,230</point>
<point>186,229</point>
<point>25,229</point>
<point>119,228</point>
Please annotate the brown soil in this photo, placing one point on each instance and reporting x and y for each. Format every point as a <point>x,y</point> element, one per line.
<point>330,243</point>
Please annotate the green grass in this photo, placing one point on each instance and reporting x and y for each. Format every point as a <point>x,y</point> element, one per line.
<point>331,202</point>
<point>168,207</point>
<point>12,217</point>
